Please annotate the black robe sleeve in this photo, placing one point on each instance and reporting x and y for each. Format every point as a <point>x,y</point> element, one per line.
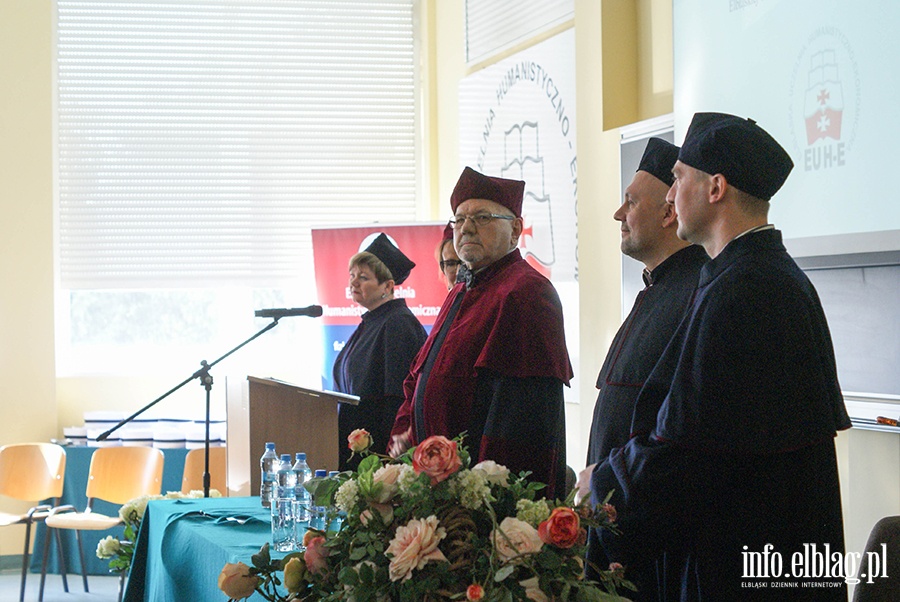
<point>511,426</point>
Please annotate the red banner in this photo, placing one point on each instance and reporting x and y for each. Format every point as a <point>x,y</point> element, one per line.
<point>424,290</point>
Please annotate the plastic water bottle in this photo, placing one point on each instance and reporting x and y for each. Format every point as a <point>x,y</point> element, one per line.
<point>334,518</point>
<point>302,473</point>
<point>284,534</point>
<point>286,478</point>
<point>317,513</point>
<point>268,467</point>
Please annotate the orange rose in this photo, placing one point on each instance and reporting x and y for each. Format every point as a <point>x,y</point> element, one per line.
<point>359,440</point>
<point>561,529</point>
<point>236,582</point>
<point>437,457</point>
<point>315,554</point>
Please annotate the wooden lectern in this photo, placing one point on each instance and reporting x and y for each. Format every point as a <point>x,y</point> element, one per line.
<point>297,420</point>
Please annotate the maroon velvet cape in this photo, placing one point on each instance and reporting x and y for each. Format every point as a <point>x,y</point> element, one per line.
<point>509,330</point>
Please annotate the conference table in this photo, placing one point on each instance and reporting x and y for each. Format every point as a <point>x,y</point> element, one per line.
<point>78,463</point>
<point>183,545</point>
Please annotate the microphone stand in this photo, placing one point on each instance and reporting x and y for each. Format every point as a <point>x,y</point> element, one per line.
<point>206,380</point>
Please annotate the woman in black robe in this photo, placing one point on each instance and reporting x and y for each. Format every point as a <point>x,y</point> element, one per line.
<point>376,358</point>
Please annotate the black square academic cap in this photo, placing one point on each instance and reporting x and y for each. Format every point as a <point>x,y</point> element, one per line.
<point>748,157</point>
<point>393,258</point>
<point>659,159</point>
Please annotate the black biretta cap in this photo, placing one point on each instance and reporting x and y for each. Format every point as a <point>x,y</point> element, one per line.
<point>748,157</point>
<point>393,258</point>
<point>659,159</point>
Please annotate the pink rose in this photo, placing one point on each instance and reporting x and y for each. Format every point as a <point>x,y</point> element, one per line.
<point>561,529</point>
<point>514,538</point>
<point>437,457</point>
<point>236,582</point>
<point>474,593</point>
<point>414,545</point>
<point>388,475</point>
<point>315,554</point>
<point>359,440</point>
<point>386,511</point>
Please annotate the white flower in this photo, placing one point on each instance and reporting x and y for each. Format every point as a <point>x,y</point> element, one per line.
<point>472,489</point>
<point>133,511</point>
<point>407,477</point>
<point>533,590</point>
<point>108,547</point>
<point>533,513</point>
<point>389,476</point>
<point>347,495</point>
<point>514,538</point>
<point>196,494</point>
<point>496,474</point>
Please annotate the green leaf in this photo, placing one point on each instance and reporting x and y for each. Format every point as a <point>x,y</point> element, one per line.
<point>262,558</point>
<point>357,554</point>
<point>504,572</point>
<point>369,464</point>
<point>348,577</point>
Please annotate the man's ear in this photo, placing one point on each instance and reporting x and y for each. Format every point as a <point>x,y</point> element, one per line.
<point>670,217</point>
<point>717,186</point>
<point>517,225</point>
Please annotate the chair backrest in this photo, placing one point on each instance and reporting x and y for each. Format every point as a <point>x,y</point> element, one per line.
<point>194,465</point>
<point>879,570</point>
<point>120,474</point>
<point>32,471</point>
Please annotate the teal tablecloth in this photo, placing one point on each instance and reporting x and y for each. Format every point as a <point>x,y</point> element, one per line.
<point>78,463</point>
<point>183,545</point>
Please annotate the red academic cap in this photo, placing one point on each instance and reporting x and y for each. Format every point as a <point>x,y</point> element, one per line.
<point>473,185</point>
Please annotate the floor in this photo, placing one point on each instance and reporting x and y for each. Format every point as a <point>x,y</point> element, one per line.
<point>103,589</point>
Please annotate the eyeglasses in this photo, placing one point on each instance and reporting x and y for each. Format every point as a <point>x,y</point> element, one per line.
<point>479,219</point>
<point>450,263</point>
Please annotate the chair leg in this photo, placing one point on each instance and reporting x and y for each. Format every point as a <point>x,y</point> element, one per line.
<point>44,565</point>
<point>121,586</point>
<point>25,561</point>
<point>63,569</point>
<point>81,558</point>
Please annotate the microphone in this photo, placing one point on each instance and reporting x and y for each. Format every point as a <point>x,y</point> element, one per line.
<point>313,311</point>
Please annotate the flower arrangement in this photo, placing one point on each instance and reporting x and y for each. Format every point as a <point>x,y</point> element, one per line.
<point>120,552</point>
<point>427,527</point>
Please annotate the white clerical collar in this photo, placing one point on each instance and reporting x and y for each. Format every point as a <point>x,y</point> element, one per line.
<point>756,229</point>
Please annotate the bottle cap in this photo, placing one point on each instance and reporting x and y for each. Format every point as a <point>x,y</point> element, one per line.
<point>285,457</point>
<point>321,473</point>
<point>270,445</point>
<point>301,456</point>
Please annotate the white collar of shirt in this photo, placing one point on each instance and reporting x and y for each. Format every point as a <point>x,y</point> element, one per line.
<point>756,229</point>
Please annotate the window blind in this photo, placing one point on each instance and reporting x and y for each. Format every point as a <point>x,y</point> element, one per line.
<point>495,25</point>
<point>199,141</point>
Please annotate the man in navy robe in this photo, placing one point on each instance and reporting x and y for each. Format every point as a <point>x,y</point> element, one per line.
<point>495,362</point>
<point>671,270</point>
<point>731,469</point>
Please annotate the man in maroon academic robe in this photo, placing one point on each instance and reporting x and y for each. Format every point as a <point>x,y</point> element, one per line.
<point>495,363</point>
